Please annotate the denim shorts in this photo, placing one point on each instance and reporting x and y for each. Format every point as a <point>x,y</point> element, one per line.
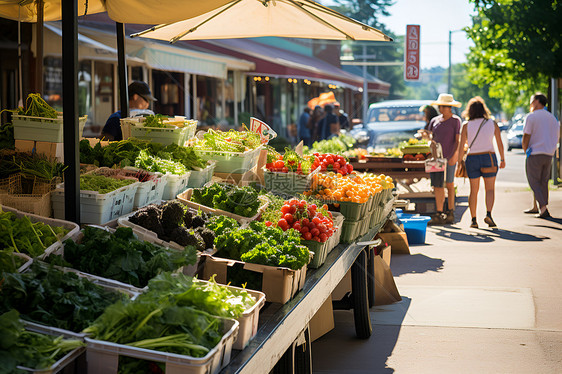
<point>475,162</point>
<point>439,179</point>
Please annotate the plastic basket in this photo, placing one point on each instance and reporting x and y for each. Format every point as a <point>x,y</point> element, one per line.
<point>289,183</point>
<point>132,127</point>
<point>321,250</point>
<point>231,162</point>
<point>64,361</point>
<point>175,184</point>
<point>350,210</point>
<point>73,228</point>
<point>338,222</point>
<point>351,230</point>
<point>185,198</point>
<point>98,208</point>
<point>103,357</point>
<point>42,129</point>
<point>199,178</point>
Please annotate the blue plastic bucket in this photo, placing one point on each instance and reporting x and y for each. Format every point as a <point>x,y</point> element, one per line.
<point>415,227</point>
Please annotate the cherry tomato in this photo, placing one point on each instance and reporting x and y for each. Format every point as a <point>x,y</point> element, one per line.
<point>279,164</point>
<point>304,229</point>
<point>315,232</point>
<point>297,226</point>
<point>288,217</point>
<point>285,209</point>
<point>268,223</point>
<point>316,221</point>
<point>282,223</point>
<point>305,222</point>
<point>307,236</point>
<point>323,237</point>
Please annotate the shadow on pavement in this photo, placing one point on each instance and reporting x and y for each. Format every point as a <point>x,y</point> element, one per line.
<point>415,263</point>
<point>515,236</point>
<point>342,352</point>
<point>485,235</point>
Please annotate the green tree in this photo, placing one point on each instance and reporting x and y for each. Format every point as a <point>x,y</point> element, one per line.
<point>517,48</point>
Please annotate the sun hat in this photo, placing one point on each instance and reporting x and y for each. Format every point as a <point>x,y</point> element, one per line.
<point>446,100</point>
<point>141,89</point>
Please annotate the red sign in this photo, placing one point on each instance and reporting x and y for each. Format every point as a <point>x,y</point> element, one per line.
<point>412,53</point>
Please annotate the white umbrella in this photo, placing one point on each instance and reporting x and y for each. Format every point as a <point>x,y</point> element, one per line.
<point>254,18</point>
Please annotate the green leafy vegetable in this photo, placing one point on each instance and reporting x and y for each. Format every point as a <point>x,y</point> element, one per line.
<point>52,297</point>
<point>35,106</point>
<point>102,184</point>
<point>122,257</point>
<point>229,141</point>
<point>242,201</point>
<point>19,346</point>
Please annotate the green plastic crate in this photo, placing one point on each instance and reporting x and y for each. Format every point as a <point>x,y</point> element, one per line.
<point>231,162</point>
<point>289,183</point>
<point>42,129</point>
<point>351,230</point>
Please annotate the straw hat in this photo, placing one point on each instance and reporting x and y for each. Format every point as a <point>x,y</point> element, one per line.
<point>447,100</point>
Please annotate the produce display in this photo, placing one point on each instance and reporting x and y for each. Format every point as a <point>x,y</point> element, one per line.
<point>337,145</point>
<point>228,141</point>
<point>121,256</point>
<point>289,162</point>
<point>311,222</point>
<point>155,157</point>
<point>54,298</point>
<point>335,187</point>
<point>208,296</point>
<point>331,162</point>
<point>102,184</point>
<point>173,222</point>
<point>263,244</point>
<point>155,120</point>
<point>35,106</point>
<point>23,236</point>
<point>242,201</point>
<point>20,347</point>
<point>159,324</point>
<point>29,165</point>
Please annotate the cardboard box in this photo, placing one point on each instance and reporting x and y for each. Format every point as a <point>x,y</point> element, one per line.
<point>398,241</point>
<point>51,150</point>
<point>385,287</point>
<point>279,284</point>
<point>385,253</point>
<point>25,145</point>
<point>94,141</point>
<point>323,320</point>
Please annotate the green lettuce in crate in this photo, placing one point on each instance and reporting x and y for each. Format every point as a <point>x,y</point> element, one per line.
<point>242,201</point>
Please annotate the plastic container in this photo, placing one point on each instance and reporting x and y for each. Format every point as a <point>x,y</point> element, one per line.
<point>352,211</point>
<point>42,129</point>
<point>64,361</point>
<point>351,230</point>
<point>289,183</point>
<point>132,127</point>
<point>96,208</point>
<point>338,222</point>
<point>415,228</point>
<point>175,184</point>
<point>199,178</point>
<point>185,198</point>
<point>150,191</point>
<point>231,162</point>
<point>103,357</point>
<point>73,228</point>
<point>321,250</point>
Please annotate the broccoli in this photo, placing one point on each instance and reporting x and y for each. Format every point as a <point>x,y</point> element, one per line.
<point>172,214</point>
<point>187,219</point>
<point>197,221</point>
<point>208,236</point>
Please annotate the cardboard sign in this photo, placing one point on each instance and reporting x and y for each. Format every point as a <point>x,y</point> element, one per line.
<point>412,53</point>
<point>266,132</point>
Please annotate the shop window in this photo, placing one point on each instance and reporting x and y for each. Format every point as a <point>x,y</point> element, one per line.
<point>52,82</point>
<point>104,93</point>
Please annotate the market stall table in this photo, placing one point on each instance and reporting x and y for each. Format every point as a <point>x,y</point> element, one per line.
<point>397,168</point>
<point>284,326</point>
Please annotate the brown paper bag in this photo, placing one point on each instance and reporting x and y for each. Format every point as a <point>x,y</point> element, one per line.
<point>385,288</point>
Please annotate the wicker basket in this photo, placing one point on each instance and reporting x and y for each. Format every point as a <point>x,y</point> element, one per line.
<point>27,195</point>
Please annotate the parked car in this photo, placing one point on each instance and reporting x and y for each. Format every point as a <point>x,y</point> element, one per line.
<point>515,135</point>
<point>391,122</point>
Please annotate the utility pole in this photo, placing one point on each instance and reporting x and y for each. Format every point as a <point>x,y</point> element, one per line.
<point>449,75</point>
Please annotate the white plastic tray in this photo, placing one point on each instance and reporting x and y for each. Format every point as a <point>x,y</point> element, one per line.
<point>103,357</point>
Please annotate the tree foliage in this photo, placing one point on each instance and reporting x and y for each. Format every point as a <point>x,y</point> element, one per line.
<point>517,48</point>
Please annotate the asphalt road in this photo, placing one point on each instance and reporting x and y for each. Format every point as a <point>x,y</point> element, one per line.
<point>514,171</point>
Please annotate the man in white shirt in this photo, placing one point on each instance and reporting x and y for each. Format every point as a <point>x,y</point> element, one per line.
<point>540,139</point>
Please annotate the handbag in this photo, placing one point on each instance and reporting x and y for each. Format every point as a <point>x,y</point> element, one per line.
<point>436,164</point>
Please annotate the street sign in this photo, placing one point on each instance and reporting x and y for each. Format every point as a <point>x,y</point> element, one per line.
<point>412,53</point>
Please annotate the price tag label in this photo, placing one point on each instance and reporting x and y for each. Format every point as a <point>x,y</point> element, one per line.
<point>266,133</point>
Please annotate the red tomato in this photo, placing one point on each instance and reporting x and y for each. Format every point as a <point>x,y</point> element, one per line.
<point>279,164</point>
<point>293,209</point>
<point>282,223</point>
<point>315,232</point>
<point>285,209</point>
<point>305,221</point>
<point>285,169</point>
<point>349,168</point>
<point>313,206</point>
<point>316,221</point>
<point>304,229</point>
<point>307,236</point>
<point>337,166</point>
<point>297,226</point>
<point>288,218</point>
<point>268,223</point>
<point>322,228</point>
<point>323,237</point>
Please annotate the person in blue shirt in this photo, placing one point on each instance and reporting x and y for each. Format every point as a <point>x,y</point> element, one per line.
<point>302,130</point>
<point>330,124</point>
<point>140,98</point>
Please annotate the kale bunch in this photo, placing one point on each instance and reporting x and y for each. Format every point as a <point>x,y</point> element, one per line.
<point>242,201</point>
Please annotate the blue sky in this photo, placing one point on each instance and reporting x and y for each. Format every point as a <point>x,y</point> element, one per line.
<point>436,18</point>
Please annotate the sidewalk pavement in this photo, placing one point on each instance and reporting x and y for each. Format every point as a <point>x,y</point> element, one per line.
<point>473,300</point>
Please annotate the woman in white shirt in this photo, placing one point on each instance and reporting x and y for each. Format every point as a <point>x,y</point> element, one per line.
<point>477,135</point>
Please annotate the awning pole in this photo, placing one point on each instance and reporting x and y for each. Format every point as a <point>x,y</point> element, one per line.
<point>70,110</point>
<point>20,72</point>
<point>122,70</point>
<point>39,49</point>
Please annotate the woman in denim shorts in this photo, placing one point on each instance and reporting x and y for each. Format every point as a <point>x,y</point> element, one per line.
<point>478,133</point>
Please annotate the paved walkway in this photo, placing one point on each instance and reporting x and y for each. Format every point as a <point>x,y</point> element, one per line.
<point>474,300</point>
